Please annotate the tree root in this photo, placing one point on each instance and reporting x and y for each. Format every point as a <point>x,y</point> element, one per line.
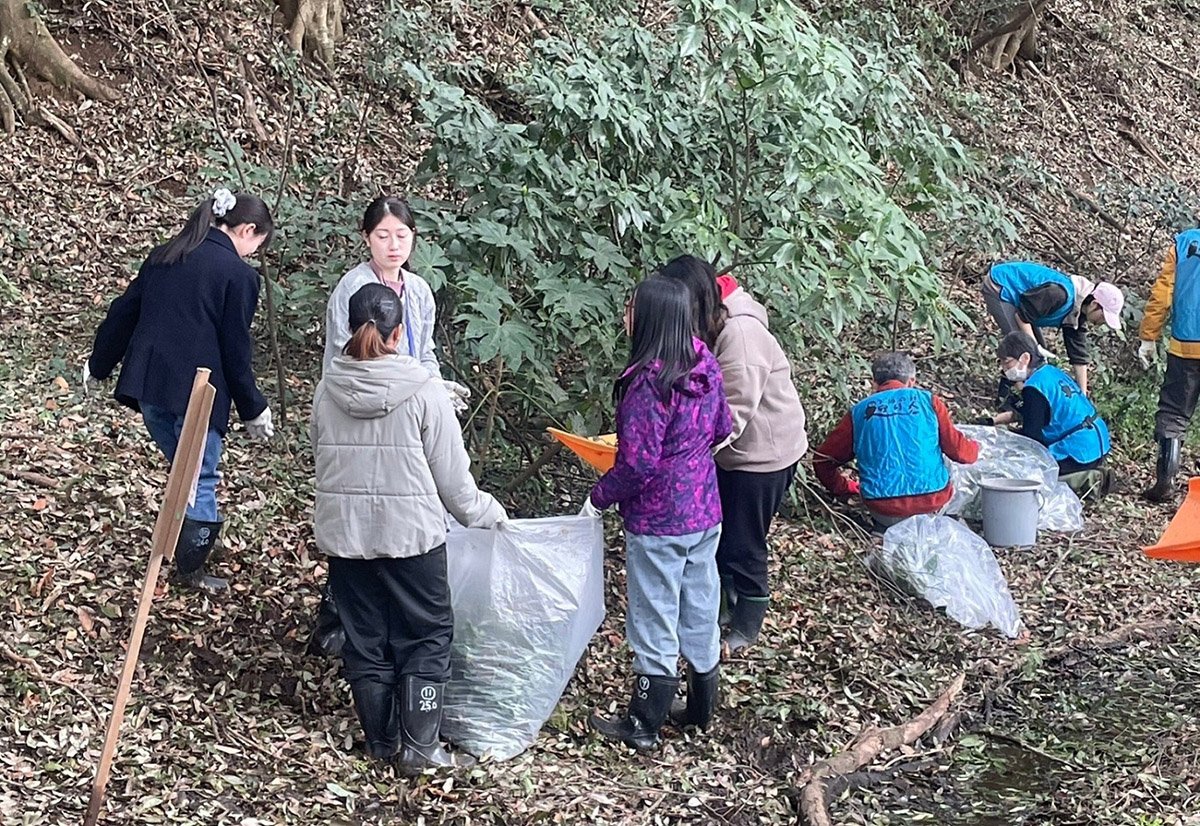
<point>314,27</point>
<point>1016,37</point>
<point>865,748</point>
<point>25,42</point>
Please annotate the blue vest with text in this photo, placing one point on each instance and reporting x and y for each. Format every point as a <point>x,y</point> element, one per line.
<point>1185,302</point>
<point>1075,430</point>
<point>1017,277</point>
<point>897,446</point>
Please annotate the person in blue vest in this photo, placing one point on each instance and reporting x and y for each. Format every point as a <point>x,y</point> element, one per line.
<point>1027,297</point>
<point>1176,294</point>
<point>191,306</point>
<point>898,435</point>
<point>1055,412</point>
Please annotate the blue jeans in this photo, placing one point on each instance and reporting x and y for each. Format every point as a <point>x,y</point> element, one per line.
<point>674,597</point>
<point>165,427</point>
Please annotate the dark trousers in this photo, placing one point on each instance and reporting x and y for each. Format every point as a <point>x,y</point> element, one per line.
<point>397,616</point>
<point>749,502</point>
<point>1068,466</point>
<point>1177,398</point>
<point>1005,316</point>
<point>1004,313</point>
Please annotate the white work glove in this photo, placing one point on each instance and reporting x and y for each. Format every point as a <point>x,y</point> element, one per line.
<point>89,383</point>
<point>260,426</point>
<point>1046,354</point>
<point>458,395</point>
<point>589,509</point>
<point>1145,353</point>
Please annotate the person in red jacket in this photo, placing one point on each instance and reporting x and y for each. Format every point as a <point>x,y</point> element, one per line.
<point>893,434</point>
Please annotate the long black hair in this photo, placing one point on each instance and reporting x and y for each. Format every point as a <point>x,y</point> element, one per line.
<point>662,335</point>
<point>701,280</point>
<point>386,205</point>
<point>247,209</point>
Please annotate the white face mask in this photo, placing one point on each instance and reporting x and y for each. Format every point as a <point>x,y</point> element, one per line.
<point>1016,373</point>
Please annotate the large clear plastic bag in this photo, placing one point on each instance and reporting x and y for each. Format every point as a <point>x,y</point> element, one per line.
<point>1062,510</point>
<point>1004,454</point>
<point>527,599</point>
<point>940,560</point>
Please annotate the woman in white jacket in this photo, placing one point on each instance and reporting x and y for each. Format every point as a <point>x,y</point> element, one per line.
<point>390,462</point>
<point>389,230</point>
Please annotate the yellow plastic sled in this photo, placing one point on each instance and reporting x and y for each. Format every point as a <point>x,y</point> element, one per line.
<point>1180,542</point>
<point>598,451</point>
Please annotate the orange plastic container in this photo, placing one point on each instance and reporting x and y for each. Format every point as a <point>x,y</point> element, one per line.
<point>1180,542</point>
<point>598,451</point>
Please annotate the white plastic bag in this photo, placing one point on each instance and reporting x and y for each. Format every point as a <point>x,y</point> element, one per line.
<point>942,561</point>
<point>527,599</point>
<point>1062,510</point>
<point>1002,455</point>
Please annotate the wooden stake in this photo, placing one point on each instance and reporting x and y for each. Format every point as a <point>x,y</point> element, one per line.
<point>184,472</point>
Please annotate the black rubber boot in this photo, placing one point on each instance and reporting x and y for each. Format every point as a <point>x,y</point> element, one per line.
<point>375,704</point>
<point>420,728</point>
<point>702,692</point>
<point>1166,470</point>
<point>728,598</point>
<point>748,615</point>
<point>648,709</point>
<point>196,540</point>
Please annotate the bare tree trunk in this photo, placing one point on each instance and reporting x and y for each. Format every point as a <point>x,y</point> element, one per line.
<point>27,45</point>
<point>314,26</point>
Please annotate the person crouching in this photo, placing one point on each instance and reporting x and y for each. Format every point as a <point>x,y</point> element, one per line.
<point>898,435</point>
<point>390,462</point>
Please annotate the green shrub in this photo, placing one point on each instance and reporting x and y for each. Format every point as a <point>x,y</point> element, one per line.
<point>795,154</point>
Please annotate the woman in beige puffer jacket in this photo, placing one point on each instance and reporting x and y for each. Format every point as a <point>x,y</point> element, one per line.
<point>390,462</point>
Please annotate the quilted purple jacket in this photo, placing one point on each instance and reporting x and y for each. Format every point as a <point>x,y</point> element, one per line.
<point>664,480</point>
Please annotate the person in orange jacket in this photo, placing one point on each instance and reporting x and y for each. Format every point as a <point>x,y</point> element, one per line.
<point>1176,293</point>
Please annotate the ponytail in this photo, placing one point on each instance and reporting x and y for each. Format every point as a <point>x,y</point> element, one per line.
<point>367,343</point>
<point>375,315</point>
<point>235,210</point>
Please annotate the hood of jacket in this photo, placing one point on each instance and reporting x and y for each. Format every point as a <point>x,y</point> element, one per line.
<point>375,387</point>
<point>740,304</point>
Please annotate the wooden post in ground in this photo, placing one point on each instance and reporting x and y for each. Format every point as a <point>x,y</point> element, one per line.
<point>180,485</point>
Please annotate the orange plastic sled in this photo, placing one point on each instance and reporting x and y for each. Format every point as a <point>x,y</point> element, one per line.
<point>1180,542</point>
<point>599,451</point>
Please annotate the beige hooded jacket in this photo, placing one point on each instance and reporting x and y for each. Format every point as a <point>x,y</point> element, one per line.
<point>390,461</point>
<point>768,419</point>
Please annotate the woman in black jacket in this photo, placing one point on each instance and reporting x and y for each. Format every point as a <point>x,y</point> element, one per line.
<point>191,306</point>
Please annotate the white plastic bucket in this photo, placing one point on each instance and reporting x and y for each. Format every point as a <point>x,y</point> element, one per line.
<point>1010,511</point>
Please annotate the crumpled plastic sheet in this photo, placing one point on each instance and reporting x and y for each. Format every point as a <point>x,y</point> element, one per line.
<point>1004,454</point>
<point>940,560</point>
<point>527,599</point>
<point>1061,511</point>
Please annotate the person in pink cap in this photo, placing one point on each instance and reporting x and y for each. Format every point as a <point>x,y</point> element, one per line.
<point>1027,297</point>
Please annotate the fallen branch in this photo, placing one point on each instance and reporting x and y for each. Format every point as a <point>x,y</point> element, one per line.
<point>34,670</point>
<point>549,453</point>
<point>1127,131</point>
<point>1179,70</point>
<point>866,748</point>
<point>1096,209</point>
<point>30,476</point>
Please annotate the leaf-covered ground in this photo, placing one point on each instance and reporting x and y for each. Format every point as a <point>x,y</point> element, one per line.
<point>232,724</point>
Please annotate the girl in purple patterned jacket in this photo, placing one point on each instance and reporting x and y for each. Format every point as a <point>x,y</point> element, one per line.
<point>671,413</point>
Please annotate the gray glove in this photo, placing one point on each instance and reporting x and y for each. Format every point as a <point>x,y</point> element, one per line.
<point>458,395</point>
<point>1145,353</point>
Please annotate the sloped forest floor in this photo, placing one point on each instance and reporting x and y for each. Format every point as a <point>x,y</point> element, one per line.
<point>1093,721</point>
